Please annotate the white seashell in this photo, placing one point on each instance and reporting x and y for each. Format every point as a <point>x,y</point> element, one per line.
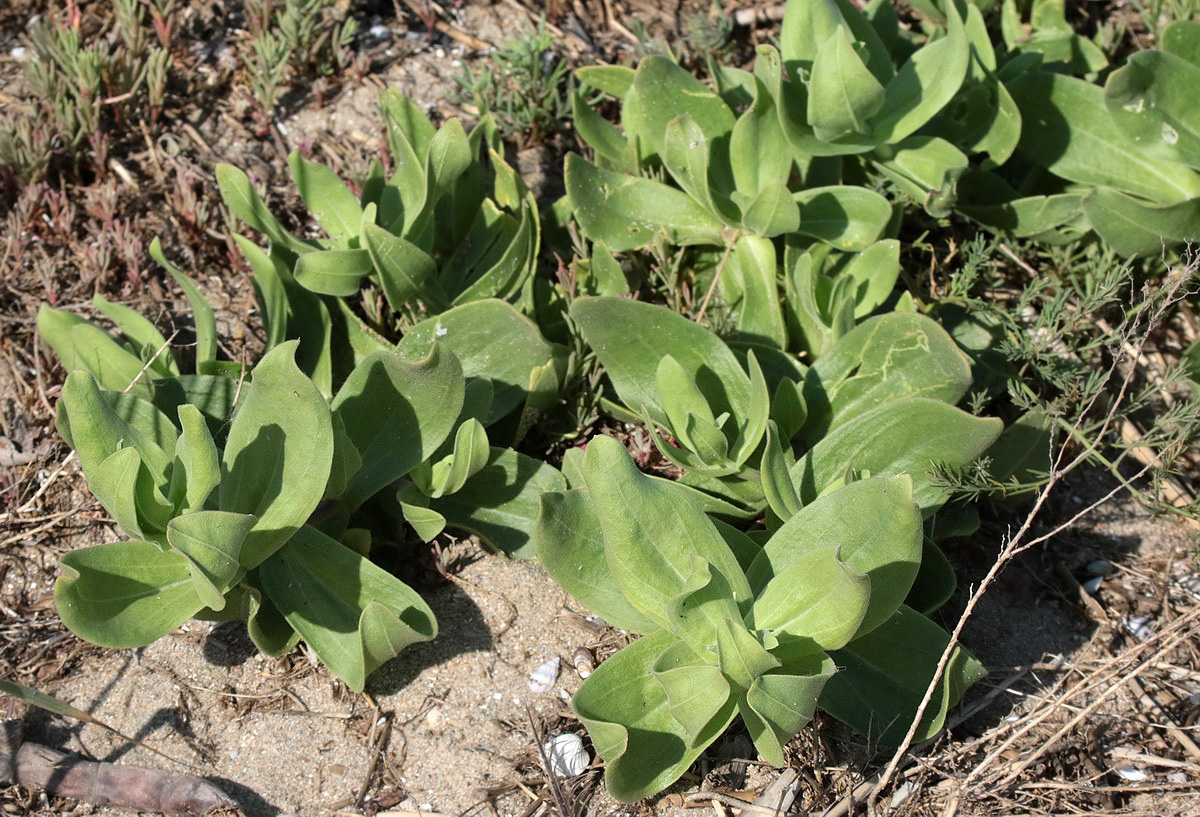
<point>566,755</point>
<point>1133,775</point>
<point>543,678</point>
<point>1138,627</point>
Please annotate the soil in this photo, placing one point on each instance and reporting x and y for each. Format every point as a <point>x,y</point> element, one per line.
<point>452,726</point>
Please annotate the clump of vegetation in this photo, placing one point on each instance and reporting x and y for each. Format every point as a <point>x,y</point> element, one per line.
<point>732,278</point>
<point>524,86</point>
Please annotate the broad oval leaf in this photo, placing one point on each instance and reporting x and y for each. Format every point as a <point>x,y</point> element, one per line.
<point>278,454</point>
<point>212,542</point>
<point>627,715</point>
<point>333,272</point>
<point>335,208</point>
<point>492,340</point>
<point>898,437</point>
<point>397,413</point>
<point>883,677</point>
<point>672,564</point>
<point>626,212</point>
<point>499,503</point>
<point>1068,130</point>
<point>631,337</point>
<point>815,604</point>
<point>888,357</point>
<point>125,594</point>
<point>779,703</point>
<point>876,527</point>
<point>569,542</point>
<point>850,218</point>
<point>355,615</point>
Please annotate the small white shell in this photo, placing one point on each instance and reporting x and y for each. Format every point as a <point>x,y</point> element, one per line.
<point>1132,774</point>
<point>566,755</point>
<point>543,678</point>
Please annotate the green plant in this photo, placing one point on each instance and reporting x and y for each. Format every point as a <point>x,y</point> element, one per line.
<point>448,241</point>
<point>244,494</point>
<point>735,624</point>
<point>525,87</point>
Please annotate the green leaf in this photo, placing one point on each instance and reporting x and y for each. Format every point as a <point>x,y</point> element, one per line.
<point>849,218</point>
<point>403,267</point>
<point>874,272</point>
<point>842,94</point>
<point>750,288</point>
<point>196,469</point>
<point>499,503</point>
<point>883,676</point>
<point>695,689</point>
<point>927,169</point>
<point>142,334</point>
<point>778,489</point>
<point>758,150</point>
<point>876,527</point>
<point>770,212</point>
<point>278,454</point>
<point>353,614</point>
<point>333,272</point>
<point>687,155</point>
<point>406,121</point>
<point>492,340</point>
<point>816,603</point>
<point>1182,38</point>
<point>125,594</point>
<point>1153,99</point>
<point>615,80</point>
<point>779,703</point>
<point>625,212</point>
<point>671,563</point>
<point>603,275</point>
<point>601,135</point>
<point>631,337</point>
<point>1133,227</point>
<point>428,524</point>
<point>888,440</point>
<point>1068,130</point>
<point>243,202</point>
<point>569,541</point>
<point>125,487</point>
<point>924,84</point>
<point>627,715</point>
<point>660,92</point>
<point>885,358</point>
<point>449,157</point>
<point>335,208</point>
<point>212,542</point>
<point>397,413</point>
<point>470,453</point>
<point>81,345</point>
<point>95,429</point>
<point>202,312</point>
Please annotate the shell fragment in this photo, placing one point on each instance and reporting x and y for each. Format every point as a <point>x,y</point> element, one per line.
<point>567,755</point>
